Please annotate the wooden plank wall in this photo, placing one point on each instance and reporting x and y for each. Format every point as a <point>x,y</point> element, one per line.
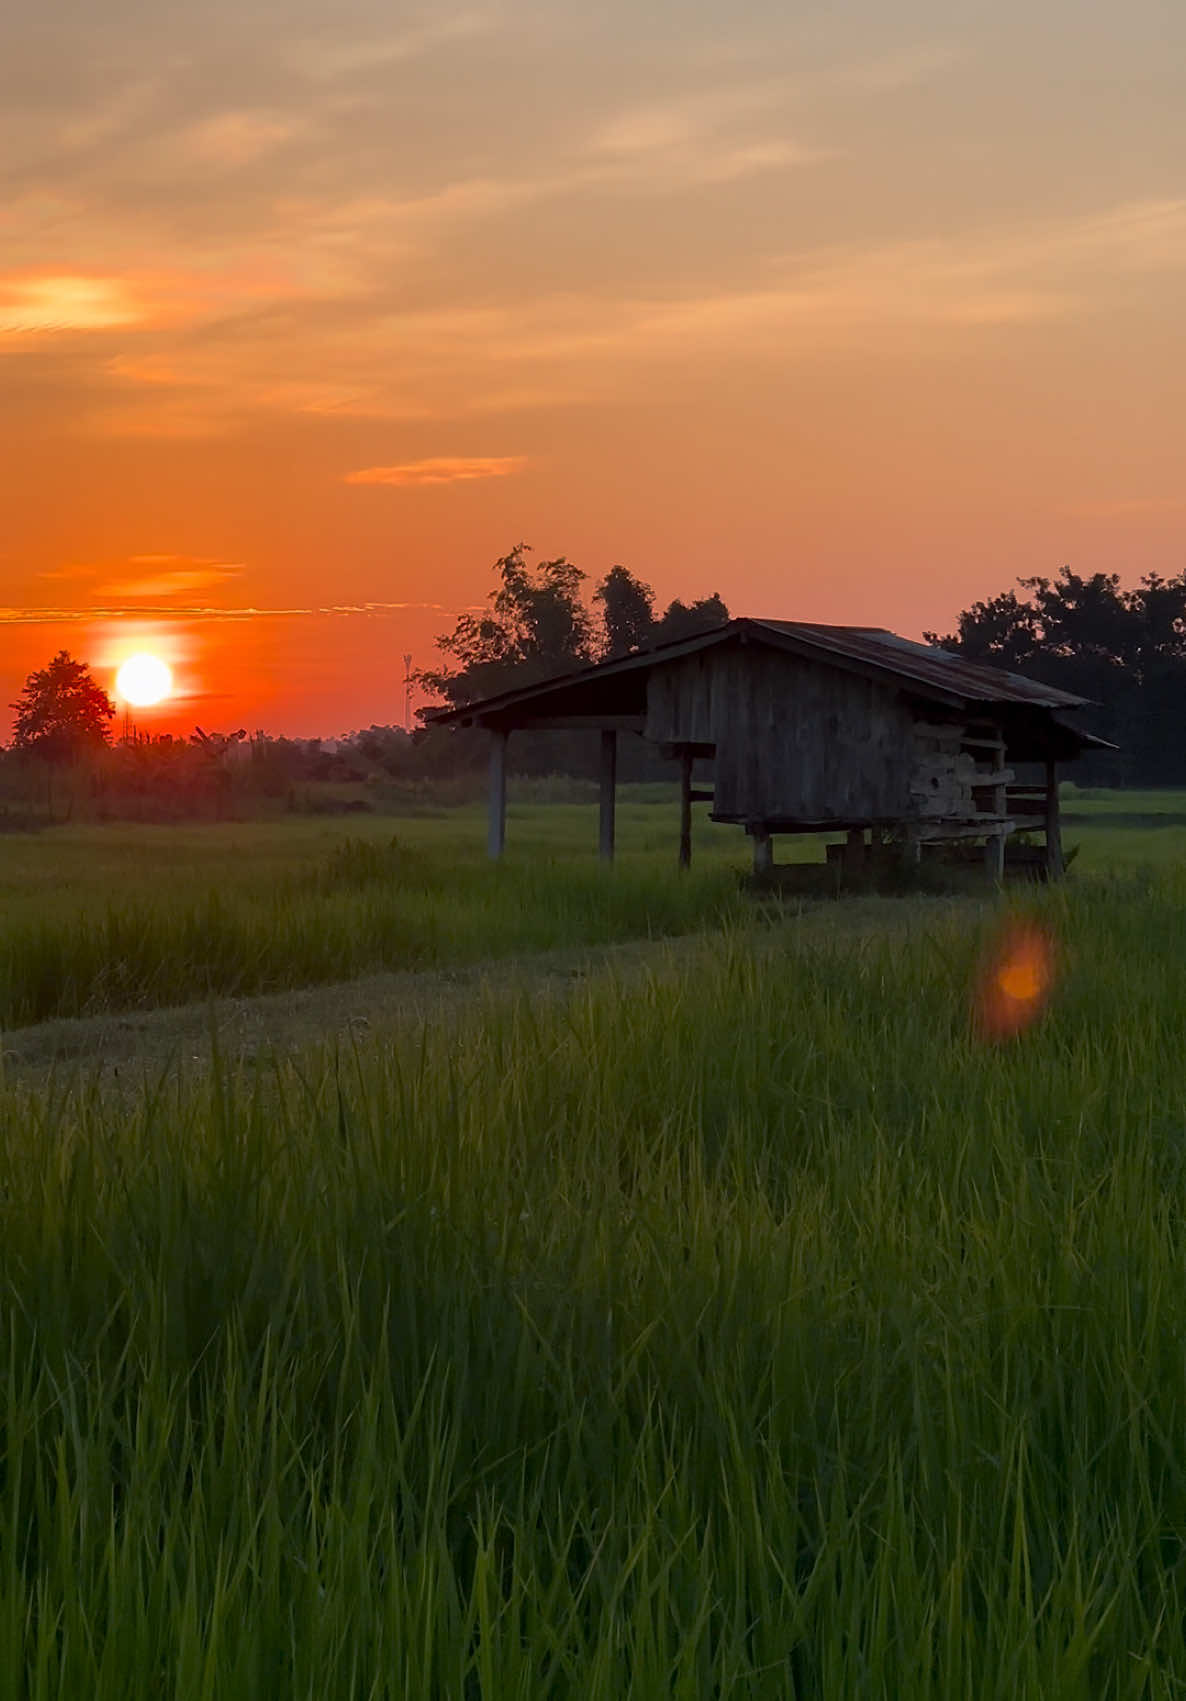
<point>682,700</point>
<point>944,772</point>
<point>794,739</point>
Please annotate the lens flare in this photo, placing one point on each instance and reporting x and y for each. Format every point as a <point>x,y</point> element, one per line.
<point>1016,981</point>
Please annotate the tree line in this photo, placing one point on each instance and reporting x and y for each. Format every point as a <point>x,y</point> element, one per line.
<point>537,625</point>
<point>1124,650</point>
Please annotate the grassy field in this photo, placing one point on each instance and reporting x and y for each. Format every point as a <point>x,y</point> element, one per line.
<point>743,1327</point>
<point>135,917</point>
<point>96,918</point>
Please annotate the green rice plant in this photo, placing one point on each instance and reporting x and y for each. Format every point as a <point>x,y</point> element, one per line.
<point>749,1329</point>
<point>368,907</point>
<point>100,919</point>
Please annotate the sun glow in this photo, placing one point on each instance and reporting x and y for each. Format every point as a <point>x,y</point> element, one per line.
<point>144,680</point>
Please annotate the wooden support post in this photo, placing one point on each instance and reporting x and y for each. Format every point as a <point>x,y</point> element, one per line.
<point>854,851</point>
<point>685,807</point>
<point>496,820</point>
<point>763,851</point>
<point>1055,867</point>
<point>994,856</point>
<point>608,791</point>
<point>994,849</point>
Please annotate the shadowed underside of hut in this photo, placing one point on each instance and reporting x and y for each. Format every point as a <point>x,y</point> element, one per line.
<point>817,729</point>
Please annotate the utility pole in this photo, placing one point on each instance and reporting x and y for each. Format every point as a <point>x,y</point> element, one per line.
<point>407,693</point>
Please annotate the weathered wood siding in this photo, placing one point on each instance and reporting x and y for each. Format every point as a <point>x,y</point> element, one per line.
<point>958,775</point>
<point>682,699</point>
<point>795,740</point>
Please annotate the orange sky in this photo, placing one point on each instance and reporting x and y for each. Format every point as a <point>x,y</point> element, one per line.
<point>852,312</point>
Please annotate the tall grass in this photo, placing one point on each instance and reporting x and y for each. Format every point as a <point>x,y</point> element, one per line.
<point>753,1331</point>
<point>95,919</point>
<point>366,906</point>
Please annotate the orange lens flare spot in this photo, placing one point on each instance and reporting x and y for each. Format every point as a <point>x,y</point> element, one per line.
<point>1016,983</point>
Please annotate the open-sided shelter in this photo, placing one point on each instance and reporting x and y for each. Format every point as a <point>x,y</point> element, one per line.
<point>814,729</point>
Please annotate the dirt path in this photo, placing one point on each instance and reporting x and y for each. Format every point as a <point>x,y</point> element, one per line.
<point>123,1048</point>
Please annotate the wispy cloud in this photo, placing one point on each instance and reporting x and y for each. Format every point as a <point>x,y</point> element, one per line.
<point>671,123</point>
<point>714,136</point>
<point>232,139</point>
<point>147,576</point>
<point>38,306</point>
<point>363,359</point>
<point>557,348</point>
<point>148,586</point>
<point>69,616</point>
<point>66,302</point>
<point>162,578</point>
<point>441,469</point>
<point>111,116</point>
<point>327,57</point>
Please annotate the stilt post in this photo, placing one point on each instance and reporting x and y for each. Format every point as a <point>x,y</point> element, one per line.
<point>496,820</point>
<point>994,856</point>
<point>854,851</point>
<point>763,851</point>
<point>1055,867</point>
<point>994,849</point>
<point>685,807</point>
<point>608,794</point>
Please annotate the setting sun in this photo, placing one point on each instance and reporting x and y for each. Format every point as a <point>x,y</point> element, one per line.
<point>144,680</point>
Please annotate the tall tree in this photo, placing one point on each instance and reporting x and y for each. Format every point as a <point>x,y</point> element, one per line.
<point>62,711</point>
<point>1001,630</point>
<point>627,613</point>
<point>541,609</point>
<point>1124,650</point>
<point>685,620</point>
<point>536,627</point>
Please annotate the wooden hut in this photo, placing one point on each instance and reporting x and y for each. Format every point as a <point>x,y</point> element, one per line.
<point>815,729</point>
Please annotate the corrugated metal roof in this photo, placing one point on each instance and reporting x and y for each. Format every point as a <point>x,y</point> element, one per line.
<point>867,649</point>
<point>923,664</point>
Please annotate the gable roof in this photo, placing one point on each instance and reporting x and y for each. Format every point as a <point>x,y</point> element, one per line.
<point>925,666</point>
<point>928,673</point>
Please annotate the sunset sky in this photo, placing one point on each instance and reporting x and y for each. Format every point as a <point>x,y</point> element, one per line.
<point>853,312</point>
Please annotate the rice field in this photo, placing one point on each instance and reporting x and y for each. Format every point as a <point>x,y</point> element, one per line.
<point>132,917</point>
<point>748,1328</point>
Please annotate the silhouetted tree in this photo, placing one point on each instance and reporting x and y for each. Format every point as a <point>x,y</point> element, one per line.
<point>685,620</point>
<point>62,711</point>
<point>1124,650</point>
<point>537,627</point>
<point>627,613</point>
<point>1002,630</point>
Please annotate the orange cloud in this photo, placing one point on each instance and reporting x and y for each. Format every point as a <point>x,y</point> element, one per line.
<point>441,469</point>
<point>153,576</point>
<point>171,581</point>
<point>65,302</point>
<point>12,616</point>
